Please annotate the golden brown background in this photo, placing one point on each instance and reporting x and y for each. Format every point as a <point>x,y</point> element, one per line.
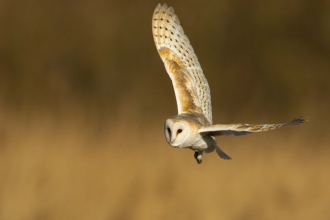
<point>84,95</point>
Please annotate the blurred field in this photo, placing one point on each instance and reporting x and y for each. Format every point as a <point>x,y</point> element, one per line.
<point>84,95</point>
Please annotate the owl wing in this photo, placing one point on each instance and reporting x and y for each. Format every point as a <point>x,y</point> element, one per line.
<point>191,88</point>
<point>243,129</point>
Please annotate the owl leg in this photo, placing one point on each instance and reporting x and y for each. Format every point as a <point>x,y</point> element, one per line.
<point>198,156</point>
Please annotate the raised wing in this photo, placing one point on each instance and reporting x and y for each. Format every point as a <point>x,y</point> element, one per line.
<point>243,129</point>
<point>191,89</point>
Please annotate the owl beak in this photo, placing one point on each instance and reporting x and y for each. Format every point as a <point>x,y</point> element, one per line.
<point>172,143</point>
<point>172,139</point>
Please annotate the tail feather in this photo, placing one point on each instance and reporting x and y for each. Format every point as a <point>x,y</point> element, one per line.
<point>222,154</point>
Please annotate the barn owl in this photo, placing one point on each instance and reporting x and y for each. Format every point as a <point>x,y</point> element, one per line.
<point>192,128</point>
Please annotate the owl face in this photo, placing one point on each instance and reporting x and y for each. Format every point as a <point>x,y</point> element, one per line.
<point>176,132</point>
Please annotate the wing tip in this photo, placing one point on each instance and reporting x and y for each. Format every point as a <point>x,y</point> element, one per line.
<point>156,11</point>
<point>164,7</point>
<point>160,8</point>
<point>298,121</point>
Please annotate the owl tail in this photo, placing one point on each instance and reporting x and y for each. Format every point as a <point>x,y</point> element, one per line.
<point>222,154</point>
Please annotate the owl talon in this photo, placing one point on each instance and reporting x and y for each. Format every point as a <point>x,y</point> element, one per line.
<point>198,156</point>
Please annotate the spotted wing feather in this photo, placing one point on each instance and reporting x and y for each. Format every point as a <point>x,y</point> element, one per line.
<point>190,85</point>
<point>243,129</point>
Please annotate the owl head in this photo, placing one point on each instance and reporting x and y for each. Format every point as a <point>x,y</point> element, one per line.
<point>176,132</point>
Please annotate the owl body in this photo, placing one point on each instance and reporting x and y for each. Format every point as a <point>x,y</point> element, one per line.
<point>182,131</point>
<point>192,128</point>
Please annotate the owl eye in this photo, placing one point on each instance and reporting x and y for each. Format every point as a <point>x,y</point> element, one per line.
<point>179,131</point>
<point>169,131</point>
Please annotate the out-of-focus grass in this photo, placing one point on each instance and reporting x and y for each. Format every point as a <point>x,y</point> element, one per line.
<point>72,169</point>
